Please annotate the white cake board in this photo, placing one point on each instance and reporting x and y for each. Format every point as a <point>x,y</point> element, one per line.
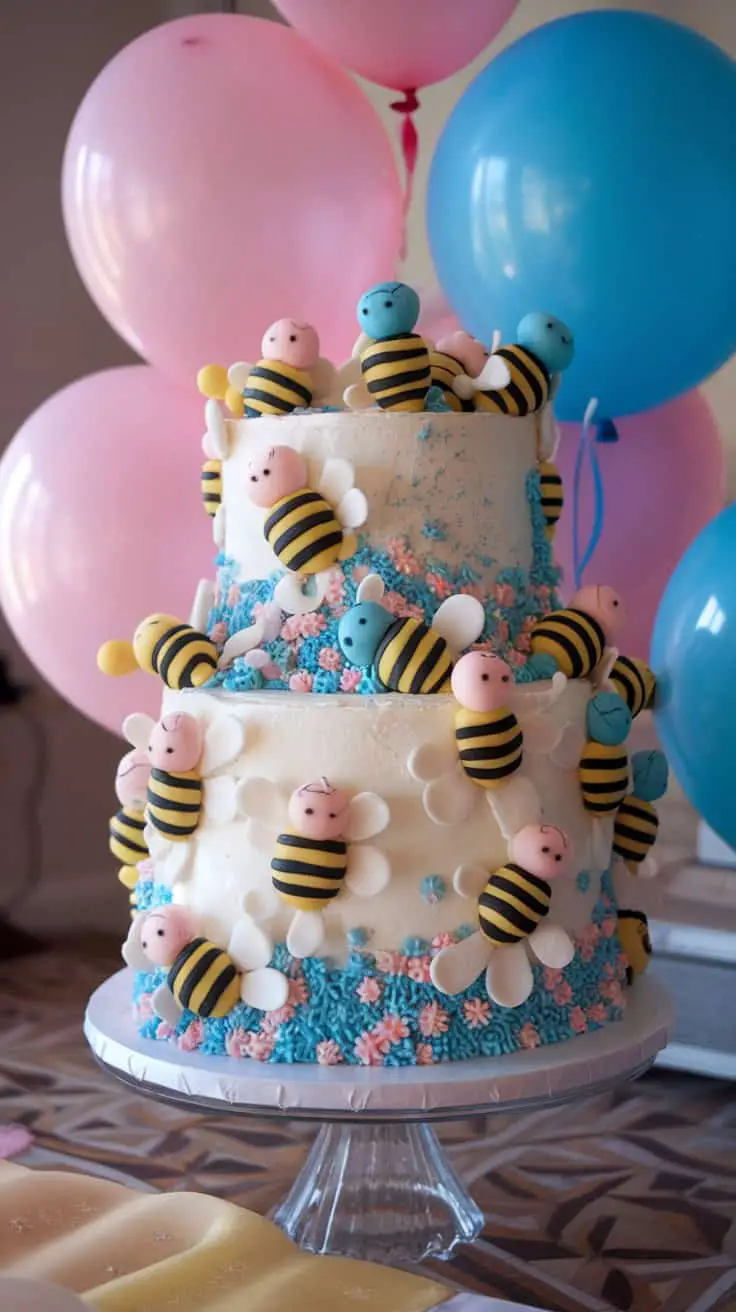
<point>376,1184</point>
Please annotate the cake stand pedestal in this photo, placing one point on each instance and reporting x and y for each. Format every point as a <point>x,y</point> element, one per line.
<point>376,1184</point>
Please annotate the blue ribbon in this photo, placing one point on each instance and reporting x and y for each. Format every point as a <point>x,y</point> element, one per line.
<point>586,447</point>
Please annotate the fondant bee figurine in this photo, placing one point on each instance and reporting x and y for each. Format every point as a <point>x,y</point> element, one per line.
<point>552,496</point>
<point>513,904</point>
<point>290,375</point>
<point>128,842</point>
<point>202,977</point>
<point>182,756</point>
<point>319,853</point>
<point>456,354</point>
<point>407,655</point>
<point>394,360</point>
<point>212,382</point>
<point>489,745</point>
<point>635,941</point>
<point>305,530</point>
<point>211,486</point>
<point>520,378</point>
<point>575,640</point>
<point>604,765</point>
<point>636,824</point>
<point>633,680</point>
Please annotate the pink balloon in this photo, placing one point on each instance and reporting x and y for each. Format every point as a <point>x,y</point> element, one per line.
<point>101,524</point>
<point>663,481</point>
<point>221,174</point>
<point>404,44</point>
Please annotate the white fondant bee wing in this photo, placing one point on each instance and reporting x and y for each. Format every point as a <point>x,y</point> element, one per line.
<point>528,704</point>
<point>208,447</point>
<point>241,642</point>
<point>265,989</point>
<point>137,729</point>
<point>174,864</point>
<point>368,871</point>
<point>541,736</point>
<point>336,479</point>
<point>604,667</point>
<point>569,748</point>
<point>549,434</point>
<point>601,839</point>
<point>509,978</point>
<point>165,1006</point>
<point>223,743</point>
<point>455,968</point>
<point>552,945</point>
<point>262,800</point>
<point>157,845</point>
<point>362,342</point>
<point>202,605</point>
<point>271,619</point>
<point>371,588</point>
<point>459,620</point>
<point>132,951</point>
<point>429,762</point>
<point>357,397</point>
<point>450,800</point>
<point>239,373</point>
<point>306,933</point>
<point>322,376</point>
<point>261,903</point>
<point>515,805</point>
<point>463,386</point>
<point>646,869</point>
<point>469,881</point>
<point>220,800</point>
<point>217,438</point>
<point>289,594</point>
<point>353,509</point>
<point>494,375</point>
<point>218,526</point>
<point>368,816</point>
<point>250,946</point>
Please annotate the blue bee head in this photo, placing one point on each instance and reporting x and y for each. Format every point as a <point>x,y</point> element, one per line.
<point>360,631</point>
<point>548,338</point>
<point>650,773</point>
<point>608,719</point>
<point>387,309</point>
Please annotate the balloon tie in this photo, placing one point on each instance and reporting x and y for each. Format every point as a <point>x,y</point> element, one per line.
<point>587,447</point>
<point>409,141</point>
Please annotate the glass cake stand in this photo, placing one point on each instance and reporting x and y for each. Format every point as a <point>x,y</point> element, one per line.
<point>376,1183</point>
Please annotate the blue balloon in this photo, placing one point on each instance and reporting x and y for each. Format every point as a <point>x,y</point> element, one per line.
<point>588,171</point>
<point>694,660</point>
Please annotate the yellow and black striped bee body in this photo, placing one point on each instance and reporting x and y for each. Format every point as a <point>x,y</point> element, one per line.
<point>527,390</point>
<point>203,979</point>
<point>308,873</point>
<point>574,639</point>
<point>636,944</point>
<point>490,745</point>
<point>304,532</point>
<point>174,803</point>
<point>127,843</point>
<point>211,484</point>
<point>604,777</point>
<point>183,658</point>
<point>553,498</point>
<point>128,876</point>
<point>633,680</point>
<point>413,658</point>
<point>275,388</point>
<point>635,831</point>
<point>512,904</point>
<point>397,371</point>
<point>445,368</point>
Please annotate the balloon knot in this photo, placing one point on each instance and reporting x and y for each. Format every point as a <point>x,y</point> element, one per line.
<point>409,105</point>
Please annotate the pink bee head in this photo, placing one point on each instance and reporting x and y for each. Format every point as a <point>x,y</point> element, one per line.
<point>471,353</point>
<point>319,810</point>
<point>482,681</point>
<point>605,606</point>
<point>131,779</point>
<point>543,850</point>
<point>296,344</point>
<point>275,473</point>
<point>176,742</point>
<point>165,932</point>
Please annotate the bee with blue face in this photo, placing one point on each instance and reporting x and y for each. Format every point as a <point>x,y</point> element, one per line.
<point>394,360</point>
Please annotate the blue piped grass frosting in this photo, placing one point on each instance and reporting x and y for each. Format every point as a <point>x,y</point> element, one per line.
<point>380,1009</point>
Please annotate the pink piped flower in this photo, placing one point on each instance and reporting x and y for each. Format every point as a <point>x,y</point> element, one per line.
<point>369,990</point>
<point>192,1037</point>
<point>432,1020</point>
<point>528,623</point>
<point>424,1054</point>
<point>273,1020</point>
<point>350,680</point>
<point>233,595</point>
<point>417,968</point>
<point>330,659</point>
<point>552,978</point>
<point>477,1013</point>
<point>608,928</point>
<point>502,631</point>
<point>218,633</point>
<point>442,940</point>
<point>301,681</point>
<point>370,1049</point>
<point>392,1028</point>
<point>329,1053</point>
<point>578,1020</point>
<point>611,989</point>
<point>400,607</point>
<point>237,1043</point>
<point>586,941</point>
<point>298,990</point>
<point>473,590</point>
<point>217,596</point>
<point>597,1014</point>
<point>528,1036</point>
<point>164,1031</point>
<point>441,587</point>
<point>334,587</point>
<point>303,626</point>
<point>391,963</point>
<point>608,970</point>
<point>144,1006</point>
<point>523,642</point>
<point>544,595</point>
<point>402,557</point>
<point>514,657</point>
<point>262,1045</point>
<point>621,966</point>
<point>562,994</point>
<point>504,594</point>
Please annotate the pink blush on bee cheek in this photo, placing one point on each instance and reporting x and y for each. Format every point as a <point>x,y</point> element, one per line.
<point>277,473</point>
<point>481,681</point>
<point>176,743</point>
<point>131,778</point>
